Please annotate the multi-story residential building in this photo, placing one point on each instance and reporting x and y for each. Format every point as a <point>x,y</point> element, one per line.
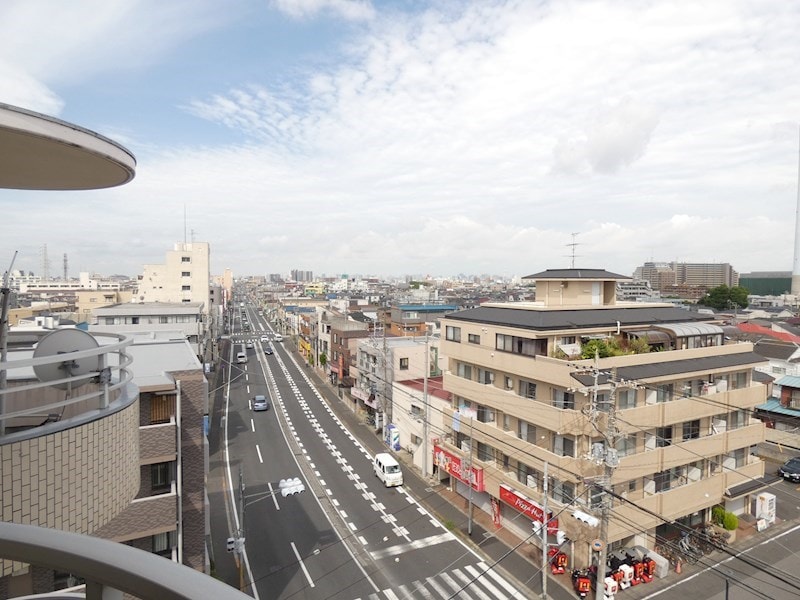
<point>122,457</point>
<point>674,426</point>
<point>382,361</point>
<point>184,277</point>
<point>667,277</point>
<point>87,301</point>
<point>344,341</point>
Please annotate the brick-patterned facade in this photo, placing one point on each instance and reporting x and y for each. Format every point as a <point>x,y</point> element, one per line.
<point>76,480</point>
<point>194,403</point>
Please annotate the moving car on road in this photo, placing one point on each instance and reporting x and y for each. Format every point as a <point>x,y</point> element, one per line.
<point>260,402</point>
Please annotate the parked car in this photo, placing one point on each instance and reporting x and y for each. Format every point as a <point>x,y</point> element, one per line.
<point>790,470</point>
<point>260,403</point>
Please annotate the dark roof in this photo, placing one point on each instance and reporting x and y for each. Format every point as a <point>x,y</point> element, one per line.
<point>776,350</point>
<point>576,274</point>
<point>748,487</point>
<point>585,318</point>
<point>674,367</point>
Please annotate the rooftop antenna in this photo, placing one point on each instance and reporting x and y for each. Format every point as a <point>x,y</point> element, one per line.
<point>573,245</point>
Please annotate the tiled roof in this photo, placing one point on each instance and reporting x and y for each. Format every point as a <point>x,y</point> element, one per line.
<point>752,328</point>
<point>774,405</point>
<point>576,274</point>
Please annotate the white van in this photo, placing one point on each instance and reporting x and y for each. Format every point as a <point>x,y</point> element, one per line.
<point>278,337</point>
<point>387,469</point>
<point>241,357</point>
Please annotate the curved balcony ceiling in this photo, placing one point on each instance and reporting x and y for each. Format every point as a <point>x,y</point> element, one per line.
<point>38,152</point>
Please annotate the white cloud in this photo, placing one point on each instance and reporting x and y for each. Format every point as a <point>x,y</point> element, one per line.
<point>471,137</point>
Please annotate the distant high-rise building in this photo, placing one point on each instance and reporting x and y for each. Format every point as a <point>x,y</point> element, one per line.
<point>663,276</point>
<point>298,275</point>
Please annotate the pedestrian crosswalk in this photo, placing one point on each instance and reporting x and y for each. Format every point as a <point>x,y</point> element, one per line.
<point>472,582</point>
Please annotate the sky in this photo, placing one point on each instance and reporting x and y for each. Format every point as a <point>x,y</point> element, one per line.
<point>414,137</point>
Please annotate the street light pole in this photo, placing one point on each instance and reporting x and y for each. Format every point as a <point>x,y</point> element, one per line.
<point>469,474</point>
<point>426,418</point>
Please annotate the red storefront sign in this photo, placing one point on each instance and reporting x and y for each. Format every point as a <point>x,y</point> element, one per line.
<point>527,507</point>
<point>452,464</point>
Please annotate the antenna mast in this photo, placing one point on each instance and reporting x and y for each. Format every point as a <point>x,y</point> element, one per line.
<point>573,245</point>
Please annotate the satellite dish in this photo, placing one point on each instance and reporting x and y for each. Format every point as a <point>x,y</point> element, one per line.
<point>65,341</point>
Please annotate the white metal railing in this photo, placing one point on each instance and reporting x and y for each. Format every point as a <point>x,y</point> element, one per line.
<point>98,389</point>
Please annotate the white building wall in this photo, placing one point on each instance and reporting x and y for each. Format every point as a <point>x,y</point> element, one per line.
<point>168,282</point>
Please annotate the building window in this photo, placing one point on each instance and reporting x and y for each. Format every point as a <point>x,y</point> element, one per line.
<point>527,389</point>
<point>737,419</point>
<point>664,393</point>
<point>404,364</point>
<point>562,399</point>
<point>134,320</point>
<point>626,399</point>
<point>691,430</point>
<point>485,453</point>
<point>563,491</point>
<point>485,414</point>
<point>506,422</point>
<point>453,334</point>
<point>161,544</point>
<point>186,288</point>
<point>186,273</point>
<point>473,338</point>
<point>186,259</point>
<point>464,370</point>
<point>416,411</point>
<point>626,445</point>
<point>526,431</point>
<point>92,299</point>
<point>159,476</point>
<point>564,445</point>
<point>109,320</point>
<point>504,342</point>
<point>509,383</point>
<point>663,436</point>
<point>485,377</point>
<point>163,319</point>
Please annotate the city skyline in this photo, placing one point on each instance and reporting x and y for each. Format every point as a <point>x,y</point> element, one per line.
<point>414,137</point>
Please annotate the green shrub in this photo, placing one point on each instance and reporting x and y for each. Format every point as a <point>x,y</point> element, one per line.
<point>730,521</point>
<point>717,515</point>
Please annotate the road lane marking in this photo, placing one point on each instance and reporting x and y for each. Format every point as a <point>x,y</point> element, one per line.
<point>274,496</point>
<point>302,565</point>
<point>415,545</point>
<point>252,425</point>
<point>261,460</point>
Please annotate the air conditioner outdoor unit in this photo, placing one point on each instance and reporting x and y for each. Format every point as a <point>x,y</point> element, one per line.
<point>531,482</point>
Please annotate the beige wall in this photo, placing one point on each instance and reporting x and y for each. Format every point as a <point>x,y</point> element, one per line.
<point>76,480</point>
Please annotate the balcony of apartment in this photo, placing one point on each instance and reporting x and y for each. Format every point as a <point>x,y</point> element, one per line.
<point>508,443</point>
<point>678,410</point>
<point>69,431</point>
<point>543,414</point>
<point>648,461</point>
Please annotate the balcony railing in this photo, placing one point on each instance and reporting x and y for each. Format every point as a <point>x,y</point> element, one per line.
<point>109,568</point>
<point>30,407</point>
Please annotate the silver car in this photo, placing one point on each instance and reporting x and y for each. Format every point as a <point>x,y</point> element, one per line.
<point>260,403</point>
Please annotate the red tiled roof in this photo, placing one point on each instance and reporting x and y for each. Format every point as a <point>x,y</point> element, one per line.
<point>751,328</point>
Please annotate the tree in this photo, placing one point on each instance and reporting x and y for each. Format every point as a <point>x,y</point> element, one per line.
<point>323,360</point>
<point>604,348</point>
<point>723,297</point>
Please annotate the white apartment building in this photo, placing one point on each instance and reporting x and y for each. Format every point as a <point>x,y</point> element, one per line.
<point>183,278</point>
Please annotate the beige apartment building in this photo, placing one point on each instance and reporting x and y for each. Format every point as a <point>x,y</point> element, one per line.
<point>667,416</point>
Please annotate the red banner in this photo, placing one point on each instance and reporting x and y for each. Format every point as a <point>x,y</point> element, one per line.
<point>527,507</point>
<point>451,463</point>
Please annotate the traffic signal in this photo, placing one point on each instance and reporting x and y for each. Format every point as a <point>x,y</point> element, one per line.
<point>290,487</point>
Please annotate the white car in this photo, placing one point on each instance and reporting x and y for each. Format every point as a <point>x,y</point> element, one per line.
<point>278,337</point>
<point>264,338</point>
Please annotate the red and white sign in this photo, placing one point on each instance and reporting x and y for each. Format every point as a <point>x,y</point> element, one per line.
<point>452,464</point>
<point>527,507</point>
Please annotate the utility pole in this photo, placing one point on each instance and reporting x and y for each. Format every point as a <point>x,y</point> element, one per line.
<point>610,461</point>
<point>469,473</point>
<point>545,526</point>
<point>426,418</point>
